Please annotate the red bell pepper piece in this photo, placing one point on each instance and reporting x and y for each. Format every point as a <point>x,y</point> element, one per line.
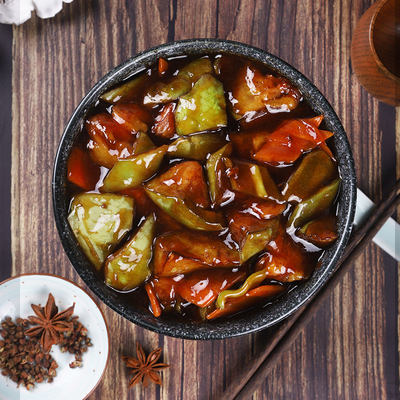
<point>251,298</point>
<point>290,140</point>
<point>82,171</point>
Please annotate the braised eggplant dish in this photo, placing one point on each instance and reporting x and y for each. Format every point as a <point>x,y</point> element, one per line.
<point>203,187</point>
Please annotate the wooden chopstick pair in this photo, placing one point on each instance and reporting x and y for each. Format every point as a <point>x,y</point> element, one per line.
<point>289,330</point>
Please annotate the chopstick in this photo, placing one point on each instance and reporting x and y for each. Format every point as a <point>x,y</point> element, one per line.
<point>289,330</point>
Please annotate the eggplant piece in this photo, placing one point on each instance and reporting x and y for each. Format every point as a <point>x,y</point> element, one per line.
<point>252,179</point>
<point>183,252</point>
<point>246,144</point>
<point>131,172</point>
<point>195,69</point>
<point>252,92</point>
<point>129,267</point>
<point>162,290</point>
<point>99,222</point>
<point>203,108</point>
<point>81,170</point>
<point>184,181</point>
<point>127,91</point>
<point>315,205</point>
<point>218,186</point>
<point>253,216</point>
<point>164,123</point>
<point>255,242</point>
<point>132,116</point>
<point>289,267</point>
<point>108,140</point>
<point>285,260</point>
<point>189,215</point>
<point>315,169</point>
<point>165,92</point>
<point>196,147</point>
<point>321,232</point>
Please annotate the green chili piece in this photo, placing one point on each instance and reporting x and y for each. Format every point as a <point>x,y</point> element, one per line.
<point>191,216</point>
<point>310,208</point>
<point>315,169</point>
<point>213,165</point>
<point>142,144</point>
<point>251,282</point>
<point>125,92</point>
<point>195,69</point>
<point>131,172</point>
<point>164,92</point>
<point>256,241</point>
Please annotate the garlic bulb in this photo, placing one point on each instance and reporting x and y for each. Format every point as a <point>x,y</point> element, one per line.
<point>19,11</point>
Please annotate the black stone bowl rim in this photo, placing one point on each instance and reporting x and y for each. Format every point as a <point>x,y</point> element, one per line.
<point>252,320</point>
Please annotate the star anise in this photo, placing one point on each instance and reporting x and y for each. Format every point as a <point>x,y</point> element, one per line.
<point>50,324</point>
<point>144,368</point>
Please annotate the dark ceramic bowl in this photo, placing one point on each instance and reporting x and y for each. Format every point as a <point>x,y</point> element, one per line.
<point>252,320</point>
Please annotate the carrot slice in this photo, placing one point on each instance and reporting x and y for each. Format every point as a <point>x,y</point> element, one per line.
<point>250,299</point>
<point>154,303</point>
<point>81,169</point>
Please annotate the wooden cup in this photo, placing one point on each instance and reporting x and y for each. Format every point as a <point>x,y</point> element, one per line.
<point>375,51</point>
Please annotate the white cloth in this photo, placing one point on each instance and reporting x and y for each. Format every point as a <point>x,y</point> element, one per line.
<point>19,11</point>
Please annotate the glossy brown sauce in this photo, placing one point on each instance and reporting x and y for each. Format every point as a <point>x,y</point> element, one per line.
<point>280,174</point>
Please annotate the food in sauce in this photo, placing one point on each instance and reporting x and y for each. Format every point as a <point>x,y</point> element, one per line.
<point>203,187</point>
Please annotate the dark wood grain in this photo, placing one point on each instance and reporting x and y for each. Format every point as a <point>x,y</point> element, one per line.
<point>350,350</point>
<point>5,148</point>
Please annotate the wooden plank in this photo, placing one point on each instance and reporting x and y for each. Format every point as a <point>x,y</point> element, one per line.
<point>349,351</point>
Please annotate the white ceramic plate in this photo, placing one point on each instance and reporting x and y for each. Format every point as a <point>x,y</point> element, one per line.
<point>16,296</point>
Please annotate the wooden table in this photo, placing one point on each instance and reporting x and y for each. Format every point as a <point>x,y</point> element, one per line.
<point>350,350</point>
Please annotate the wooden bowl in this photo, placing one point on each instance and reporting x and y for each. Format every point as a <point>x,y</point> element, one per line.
<point>375,51</point>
